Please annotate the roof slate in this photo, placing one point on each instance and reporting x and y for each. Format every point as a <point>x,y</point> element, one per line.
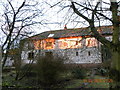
<point>105,30</point>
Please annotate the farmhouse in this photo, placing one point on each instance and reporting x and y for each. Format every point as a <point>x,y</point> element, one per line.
<point>78,45</point>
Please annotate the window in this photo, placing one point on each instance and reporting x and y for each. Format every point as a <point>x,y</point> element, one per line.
<point>77,53</point>
<point>91,42</point>
<point>48,44</point>
<point>31,55</point>
<point>50,35</point>
<point>77,42</point>
<point>89,53</point>
<point>37,44</point>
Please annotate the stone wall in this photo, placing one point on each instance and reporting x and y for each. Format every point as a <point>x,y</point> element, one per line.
<point>81,54</point>
<point>88,55</point>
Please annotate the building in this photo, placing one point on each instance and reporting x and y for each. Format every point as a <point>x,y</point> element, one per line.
<point>77,45</point>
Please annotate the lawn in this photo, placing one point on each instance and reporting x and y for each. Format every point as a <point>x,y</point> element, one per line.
<point>89,83</point>
<point>67,81</point>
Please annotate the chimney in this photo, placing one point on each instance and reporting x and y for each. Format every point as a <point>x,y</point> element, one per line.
<point>65,27</point>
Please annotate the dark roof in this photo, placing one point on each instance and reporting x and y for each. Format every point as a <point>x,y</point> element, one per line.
<point>105,30</point>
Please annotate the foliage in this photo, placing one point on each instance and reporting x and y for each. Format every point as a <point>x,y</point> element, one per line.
<point>49,70</point>
<point>79,73</point>
<point>106,54</point>
<point>103,71</point>
<point>31,81</point>
<point>114,74</point>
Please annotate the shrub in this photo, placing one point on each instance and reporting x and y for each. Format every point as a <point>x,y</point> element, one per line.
<point>79,73</point>
<point>115,75</point>
<point>49,69</point>
<point>102,71</point>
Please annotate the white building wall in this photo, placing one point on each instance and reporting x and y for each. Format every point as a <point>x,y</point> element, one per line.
<point>70,54</point>
<point>76,55</point>
<point>24,57</point>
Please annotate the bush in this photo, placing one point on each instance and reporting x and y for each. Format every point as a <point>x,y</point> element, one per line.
<point>49,70</point>
<point>102,71</point>
<point>79,73</point>
<point>115,75</point>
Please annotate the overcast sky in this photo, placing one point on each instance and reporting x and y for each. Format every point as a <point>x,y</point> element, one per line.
<point>56,19</point>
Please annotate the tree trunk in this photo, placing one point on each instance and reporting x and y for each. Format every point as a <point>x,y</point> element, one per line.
<point>115,64</point>
<point>0,67</point>
<point>115,60</point>
<point>115,69</point>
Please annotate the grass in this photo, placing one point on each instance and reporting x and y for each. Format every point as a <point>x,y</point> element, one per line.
<point>77,83</point>
<point>74,83</point>
<point>9,80</point>
<point>70,81</point>
<point>98,85</point>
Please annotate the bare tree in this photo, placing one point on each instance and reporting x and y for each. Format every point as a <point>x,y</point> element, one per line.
<point>17,21</point>
<point>96,14</point>
<point>113,45</point>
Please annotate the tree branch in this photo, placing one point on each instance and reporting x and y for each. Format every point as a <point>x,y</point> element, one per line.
<point>96,12</point>
<point>78,13</point>
<point>20,7</point>
<point>94,30</point>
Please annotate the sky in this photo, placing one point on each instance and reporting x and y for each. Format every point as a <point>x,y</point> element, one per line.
<point>62,17</point>
<point>51,15</point>
<point>55,19</point>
